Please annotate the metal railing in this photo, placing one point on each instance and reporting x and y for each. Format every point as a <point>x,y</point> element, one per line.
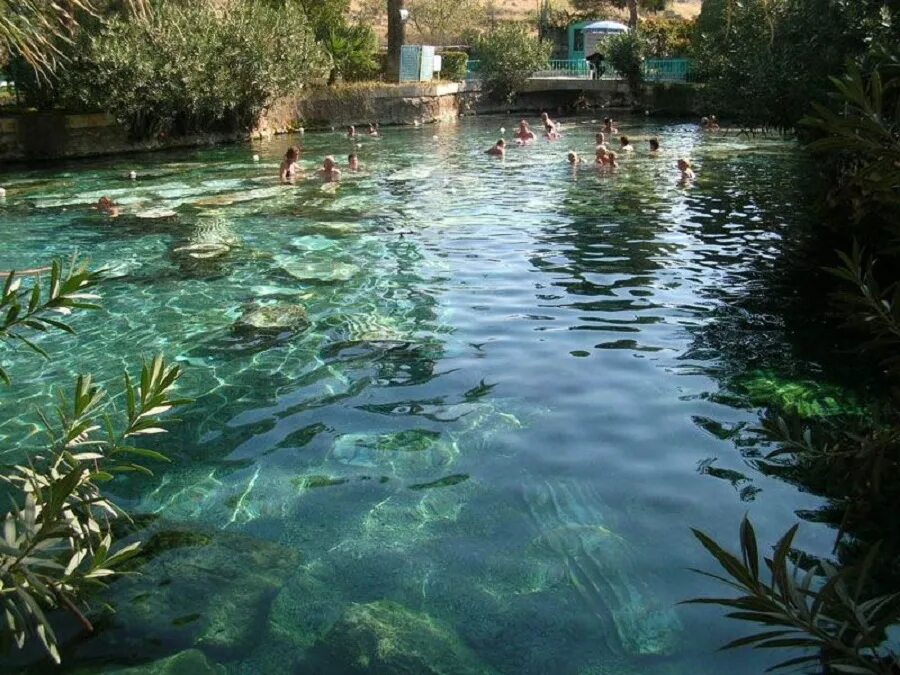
<point>655,70</point>
<point>667,70</point>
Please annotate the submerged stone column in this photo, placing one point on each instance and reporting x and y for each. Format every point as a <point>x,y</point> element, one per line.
<point>396,37</point>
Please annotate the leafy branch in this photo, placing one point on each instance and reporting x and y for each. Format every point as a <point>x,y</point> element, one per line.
<point>819,608</point>
<point>24,310</point>
<point>56,542</point>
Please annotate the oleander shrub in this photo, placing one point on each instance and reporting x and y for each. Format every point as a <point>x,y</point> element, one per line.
<point>508,57</point>
<point>626,53</point>
<point>454,65</point>
<point>191,67</point>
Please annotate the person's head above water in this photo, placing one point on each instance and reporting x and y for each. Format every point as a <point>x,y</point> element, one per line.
<point>328,163</point>
<point>600,138</point>
<point>572,156</point>
<point>624,141</point>
<point>523,124</point>
<point>105,203</point>
<point>684,164</point>
<point>704,121</point>
<point>353,160</point>
<point>654,144</point>
<point>501,143</point>
<point>292,154</point>
<point>351,130</point>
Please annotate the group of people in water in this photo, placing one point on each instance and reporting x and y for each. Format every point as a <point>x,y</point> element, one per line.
<point>604,156</point>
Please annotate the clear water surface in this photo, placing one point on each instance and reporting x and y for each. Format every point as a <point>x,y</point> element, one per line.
<point>510,405</point>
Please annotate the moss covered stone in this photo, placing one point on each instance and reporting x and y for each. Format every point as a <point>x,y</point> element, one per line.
<point>386,638</point>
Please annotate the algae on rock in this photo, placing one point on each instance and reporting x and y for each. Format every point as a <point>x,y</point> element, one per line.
<point>386,638</point>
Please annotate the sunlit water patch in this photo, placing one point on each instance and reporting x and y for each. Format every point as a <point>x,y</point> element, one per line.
<point>461,408</point>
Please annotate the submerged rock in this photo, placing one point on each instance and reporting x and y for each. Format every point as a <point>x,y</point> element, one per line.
<point>413,448</point>
<point>575,546</point>
<point>189,662</point>
<point>386,638</point>
<point>317,270</point>
<point>804,398</point>
<point>211,238</point>
<point>282,316</point>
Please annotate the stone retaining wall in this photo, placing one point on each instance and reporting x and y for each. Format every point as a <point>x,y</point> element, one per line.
<point>54,135</point>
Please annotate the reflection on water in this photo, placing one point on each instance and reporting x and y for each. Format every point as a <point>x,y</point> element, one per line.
<point>462,409</point>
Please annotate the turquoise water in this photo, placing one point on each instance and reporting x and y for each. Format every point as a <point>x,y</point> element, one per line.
<point>514,396</point>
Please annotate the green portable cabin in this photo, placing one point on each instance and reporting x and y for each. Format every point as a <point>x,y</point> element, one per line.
<point>583,36</point>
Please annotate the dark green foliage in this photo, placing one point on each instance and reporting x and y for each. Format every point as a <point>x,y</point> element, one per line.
<point>352,50</point>
<point>625,53</point>
<point>188,68</point>
<point>819,608</point>
<point>764,61</point>
<point>454,65</point>
<point>508,57</point>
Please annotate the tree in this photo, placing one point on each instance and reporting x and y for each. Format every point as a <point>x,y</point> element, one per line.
<point>508,57</point>
<point>598,7</point>
<point>445,21</point>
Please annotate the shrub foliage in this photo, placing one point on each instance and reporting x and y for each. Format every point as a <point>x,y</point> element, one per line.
<point>454,65</point>
<point>508,56</point>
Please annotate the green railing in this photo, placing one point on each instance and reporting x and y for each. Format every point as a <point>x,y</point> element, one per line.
<point>655,70</point>
<point>667,70</point>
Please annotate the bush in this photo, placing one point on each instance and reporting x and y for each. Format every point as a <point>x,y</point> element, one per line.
<point>508,57</point>
<point>625,52</point>
<point>667,38</point>
<point>454,66</point>
<point>353,53</point>
<point>190,68</point>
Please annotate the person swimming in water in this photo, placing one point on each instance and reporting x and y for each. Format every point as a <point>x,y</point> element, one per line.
<point>574,158</point>
<point>107,207</point>
<point>612,160</point>
<point>654,145</point>
<point>497,150</point>
<point>608,127</point>
<point>351,131</point>
<point>600,139</point>
<point>373,129</point>
<point>687,173</point>
<point>524,133</point>
<point>550,127</point>
<point>600,156</point>
<point>353,163</point>
<point>626,145</point>
<point>329,173</point>
<point>290,169</point>
<point>713,123</point>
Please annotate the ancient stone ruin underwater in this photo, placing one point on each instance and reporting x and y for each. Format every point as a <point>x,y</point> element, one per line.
<point>453,416</point>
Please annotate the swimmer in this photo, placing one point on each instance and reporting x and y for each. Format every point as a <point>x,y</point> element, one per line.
<point>351,131</point>
<point>107,207</point>
<point>600,139</point>
<point>497,150</point>
<point>329,172</point>
<point>704,123</point>
<point>626,144</point>
<point>574,158</point>
<point>608,127</point>
<point>600,158</point>
<point>713,123</point>
<point>654,145</point>
<point>524,134</point>
<point>551,127</point>
<point>687,173</point>
<point>290,169</point>
<point>353,162</point>
<point>612,160</point>
<point>373,130</point>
